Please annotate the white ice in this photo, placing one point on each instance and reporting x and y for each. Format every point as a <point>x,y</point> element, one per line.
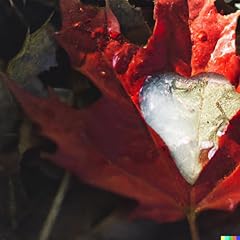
<point>188,115</point>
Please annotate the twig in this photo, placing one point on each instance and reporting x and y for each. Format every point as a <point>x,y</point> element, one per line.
<point>18,13</point>
<point>107,3</point>
<point>55,209</point>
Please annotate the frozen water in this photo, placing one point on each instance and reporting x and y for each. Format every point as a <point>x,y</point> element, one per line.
<point>188,114</point>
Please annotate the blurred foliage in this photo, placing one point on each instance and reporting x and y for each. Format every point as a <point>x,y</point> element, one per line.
<point>132,22</point>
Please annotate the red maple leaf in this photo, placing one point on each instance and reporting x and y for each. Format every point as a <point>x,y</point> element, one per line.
<point>108,144</point>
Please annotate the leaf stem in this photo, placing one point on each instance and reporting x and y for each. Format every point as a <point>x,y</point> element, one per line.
<point>56,206</point>
<point>193,225</point>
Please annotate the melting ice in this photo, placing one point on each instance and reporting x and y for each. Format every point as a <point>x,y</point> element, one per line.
<point>189,115</point>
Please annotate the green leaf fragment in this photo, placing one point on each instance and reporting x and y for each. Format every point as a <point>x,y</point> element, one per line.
<point>37,55</point>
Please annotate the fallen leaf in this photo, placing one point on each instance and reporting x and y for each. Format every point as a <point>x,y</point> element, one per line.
<point>37,55</point>
<point>108,144</point>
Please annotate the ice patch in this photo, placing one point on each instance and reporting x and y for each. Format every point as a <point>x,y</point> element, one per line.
<point>189,115</point>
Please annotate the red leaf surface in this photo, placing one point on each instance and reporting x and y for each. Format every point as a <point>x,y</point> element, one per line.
<point>213,36</point>
<point>108,144</point>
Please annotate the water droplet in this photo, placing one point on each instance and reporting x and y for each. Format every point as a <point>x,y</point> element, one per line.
<point>122,59</point>
<point>202,36</point>
<point>77,24</point>
<point>103,73</point>
<point>113,34</point>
